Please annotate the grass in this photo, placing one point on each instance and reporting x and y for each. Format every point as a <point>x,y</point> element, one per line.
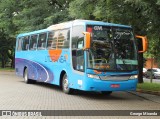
<point>6,69</point>
<point>149,86</point>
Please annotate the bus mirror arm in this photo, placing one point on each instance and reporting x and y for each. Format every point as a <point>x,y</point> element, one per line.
<point>87,40</point>
<point>144,43</point>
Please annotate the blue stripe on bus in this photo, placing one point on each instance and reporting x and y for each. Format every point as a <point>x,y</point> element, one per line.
<point>36,70</point>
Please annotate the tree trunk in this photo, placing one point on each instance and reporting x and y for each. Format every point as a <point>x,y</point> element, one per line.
<point>140,68</point>
<point>13,62</point>
<point>151,78</point>
<point>3,62</point>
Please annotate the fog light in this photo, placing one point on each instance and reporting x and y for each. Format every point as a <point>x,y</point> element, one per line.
<point>93,76</point>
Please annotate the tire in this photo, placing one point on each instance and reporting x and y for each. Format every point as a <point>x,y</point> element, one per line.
<point>26,79</point>
<point>106,92</point>
<point>65,85</point>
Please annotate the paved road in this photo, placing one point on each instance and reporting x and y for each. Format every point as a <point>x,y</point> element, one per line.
<point>16,95</point>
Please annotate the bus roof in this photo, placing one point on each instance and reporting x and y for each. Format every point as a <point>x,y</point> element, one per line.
<point>83,22</point>
<point>73,23</point>
<point>33,32</point>
<point>91,22</point>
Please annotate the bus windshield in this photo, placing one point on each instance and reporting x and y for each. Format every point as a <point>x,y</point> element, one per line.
<point>112,48</point>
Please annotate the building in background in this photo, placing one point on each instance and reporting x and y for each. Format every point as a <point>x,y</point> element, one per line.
<point>149,61</point>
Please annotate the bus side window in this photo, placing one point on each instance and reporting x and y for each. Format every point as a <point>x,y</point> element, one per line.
<point>63,38</point>
<point>27,46</point>
<point>74,60</point>
<point>60,40</point>
<point>52,40</point>
<point>33,42</point>
<point>77,51</point>
<point>25,41</point>
<point>80,43</point>
<point>42,41</point>
<point>78,60</point>
<point>77,35</point>
<point>19,44</point>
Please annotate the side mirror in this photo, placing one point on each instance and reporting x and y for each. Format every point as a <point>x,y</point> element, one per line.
<point>142,44</point>
<point>87,40</point>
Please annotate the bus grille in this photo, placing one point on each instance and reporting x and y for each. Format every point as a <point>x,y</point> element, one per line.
<point>114,78</point>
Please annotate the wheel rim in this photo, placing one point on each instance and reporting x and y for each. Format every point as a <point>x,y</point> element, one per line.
<point>65,83</point>
<point>25,76</point>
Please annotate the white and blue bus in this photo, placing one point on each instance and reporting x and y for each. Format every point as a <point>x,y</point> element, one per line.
<point>81,54</point>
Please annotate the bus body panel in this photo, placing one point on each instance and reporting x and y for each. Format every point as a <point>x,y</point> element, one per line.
<point>40,65</point>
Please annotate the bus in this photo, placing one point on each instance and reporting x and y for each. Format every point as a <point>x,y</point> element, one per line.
<point>84,55</point>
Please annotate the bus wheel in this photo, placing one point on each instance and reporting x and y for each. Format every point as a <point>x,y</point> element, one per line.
<point>26,79</point>
<point>106,92</point>
<point>65,85</point>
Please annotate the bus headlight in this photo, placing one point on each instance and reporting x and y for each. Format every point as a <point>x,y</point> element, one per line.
<point>134,77</point>
<point>93,76</point>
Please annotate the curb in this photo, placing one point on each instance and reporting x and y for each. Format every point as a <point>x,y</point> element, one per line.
<point>148,92</point>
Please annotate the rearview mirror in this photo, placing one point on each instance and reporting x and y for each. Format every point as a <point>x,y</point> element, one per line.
<point>87,40</point>
<point>142,44</point>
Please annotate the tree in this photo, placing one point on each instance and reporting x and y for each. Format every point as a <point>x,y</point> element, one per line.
<point>82,9</point>
<point>40,14</point>
<point>6,49</point>
<point>24,16</point>
<point>7,30</point>
<point>141,14</point>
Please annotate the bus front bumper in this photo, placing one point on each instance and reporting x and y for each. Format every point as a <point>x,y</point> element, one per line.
<point>103,85</point>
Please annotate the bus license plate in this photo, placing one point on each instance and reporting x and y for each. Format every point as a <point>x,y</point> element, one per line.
<point>115,85</point>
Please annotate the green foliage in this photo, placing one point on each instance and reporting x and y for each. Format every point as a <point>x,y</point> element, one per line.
<point>143,15</point>
<point>24,16</point>
<point>28,15</point>
<point>31,15</point>
<point>82,9</point>
<point>6,48</point>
